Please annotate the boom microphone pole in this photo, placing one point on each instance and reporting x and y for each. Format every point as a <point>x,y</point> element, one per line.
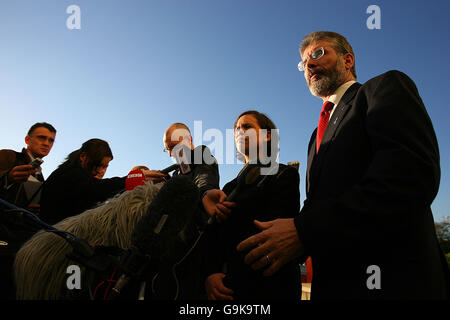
<point>82,251</point>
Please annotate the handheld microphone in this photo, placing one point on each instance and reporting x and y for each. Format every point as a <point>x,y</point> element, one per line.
<point>81,248</point>
<point>135,178</point>
<point>186,158</point>
<point>170,168</point>
<point>248,175</point>
<point>183,156</point>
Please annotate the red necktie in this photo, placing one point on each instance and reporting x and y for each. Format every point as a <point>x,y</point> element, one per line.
<point>323,122</point>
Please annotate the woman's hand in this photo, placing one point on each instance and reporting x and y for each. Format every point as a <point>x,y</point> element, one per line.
<point>215,289</point>
<point>155,175</point>
<point>215,205</point>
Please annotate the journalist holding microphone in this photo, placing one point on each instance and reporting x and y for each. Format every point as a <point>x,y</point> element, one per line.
<point>77,184</point>
<point>202,167</point>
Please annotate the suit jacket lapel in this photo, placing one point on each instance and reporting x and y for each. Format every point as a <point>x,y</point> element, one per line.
<point>311,155</point>
<point>315,160</point>
<point>338,114</point>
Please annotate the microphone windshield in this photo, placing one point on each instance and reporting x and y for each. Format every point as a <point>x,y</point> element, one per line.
<point>135,178</point>
<point>168,227</point>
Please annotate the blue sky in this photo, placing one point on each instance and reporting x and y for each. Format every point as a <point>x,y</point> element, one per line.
<point>134,67</point>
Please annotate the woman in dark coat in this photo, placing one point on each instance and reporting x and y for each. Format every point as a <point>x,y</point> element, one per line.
<point>262,197</point>
<point>77,184</point>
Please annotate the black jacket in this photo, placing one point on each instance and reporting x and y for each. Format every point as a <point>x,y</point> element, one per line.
<point>13,193</point>
<point>277,196</point>
<point>205,175</point>
<point>69,191</point>
<point>12,234</point>
<point>205,171</point>
<point>369,192</point>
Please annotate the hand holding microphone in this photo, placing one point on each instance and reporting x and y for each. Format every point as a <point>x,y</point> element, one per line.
<point>182,155</point>
<point>215,204</point>
<point>134,178</point>
<point>21,173</point>
<point>218,205</point>
<point>155,175</point>
<point>138,175</point>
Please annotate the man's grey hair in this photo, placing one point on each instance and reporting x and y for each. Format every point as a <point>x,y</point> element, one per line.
<point>338,42</point>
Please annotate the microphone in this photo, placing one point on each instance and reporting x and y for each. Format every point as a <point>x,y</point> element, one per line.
<point>82,251</point>
<point>170,168</point>
<point>165,232</point>
<point>187,158</point>
<point>135,178</point>
<point>183,156</point>
<point>168,214</point>
<point>248,175</point>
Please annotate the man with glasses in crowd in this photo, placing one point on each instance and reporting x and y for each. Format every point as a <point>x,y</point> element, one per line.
<point>16,168</point>
<point>15,171</point>
<point>202,168</point>
<point>373,172</point>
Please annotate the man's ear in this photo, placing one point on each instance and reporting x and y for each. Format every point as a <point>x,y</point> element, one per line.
<point>27,139</point>
<point>349,60</point>
<point>83,158</point>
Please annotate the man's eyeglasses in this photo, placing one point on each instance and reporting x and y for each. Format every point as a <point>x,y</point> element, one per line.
<point>169,150</point>
<point>315,55</point>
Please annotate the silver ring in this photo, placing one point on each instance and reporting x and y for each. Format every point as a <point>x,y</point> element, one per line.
<point>268,259</point>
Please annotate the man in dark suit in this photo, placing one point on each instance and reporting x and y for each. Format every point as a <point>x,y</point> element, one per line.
<point>15,167</point>
<point>15,170</point>
<point>373,172</point>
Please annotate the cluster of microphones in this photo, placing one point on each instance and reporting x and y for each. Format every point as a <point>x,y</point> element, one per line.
<point>162,236</point>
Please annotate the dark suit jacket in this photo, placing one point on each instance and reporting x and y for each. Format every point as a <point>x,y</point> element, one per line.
<point>277,197</point>
<point>204,175</point>
<point>369,191</point>
<point>12,193</point>
<point>14,235</point>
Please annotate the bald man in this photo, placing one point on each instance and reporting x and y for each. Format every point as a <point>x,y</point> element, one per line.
<point>205,175</point>
<point>15,171</point>
<point>204,170</point>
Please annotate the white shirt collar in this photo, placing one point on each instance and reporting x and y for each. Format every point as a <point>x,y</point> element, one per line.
<point>339,93</point>
<point>30,154</point>
<point>39,169</point>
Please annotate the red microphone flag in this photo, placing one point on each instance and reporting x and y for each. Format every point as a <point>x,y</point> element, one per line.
<point>135,178</point>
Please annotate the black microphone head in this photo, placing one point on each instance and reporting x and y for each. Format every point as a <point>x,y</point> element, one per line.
<point>173,209</point>
<point>170,169</point>
<point>252,175</point>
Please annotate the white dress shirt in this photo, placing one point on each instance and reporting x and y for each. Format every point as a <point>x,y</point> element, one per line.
<point>337,95</point>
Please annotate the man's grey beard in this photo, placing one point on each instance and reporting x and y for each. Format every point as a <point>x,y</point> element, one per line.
<point>329,81</point>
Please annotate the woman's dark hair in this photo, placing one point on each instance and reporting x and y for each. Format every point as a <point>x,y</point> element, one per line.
<point>265,123</point>
<point>95,149</point>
